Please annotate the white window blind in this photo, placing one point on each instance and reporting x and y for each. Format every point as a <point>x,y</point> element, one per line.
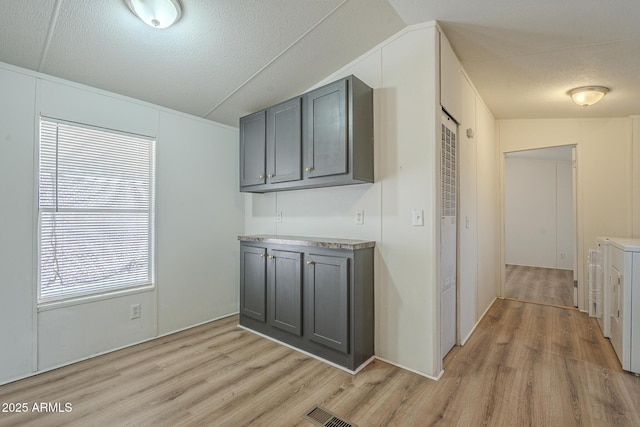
<point>96,216</point>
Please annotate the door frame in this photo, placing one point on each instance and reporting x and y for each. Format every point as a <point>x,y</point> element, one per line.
<point>579,291</point>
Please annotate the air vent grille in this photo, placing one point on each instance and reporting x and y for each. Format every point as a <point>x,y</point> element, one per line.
<point>321,417</point>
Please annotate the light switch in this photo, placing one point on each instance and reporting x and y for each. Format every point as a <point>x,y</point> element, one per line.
<point>360,217</point>
<point>418,217</point>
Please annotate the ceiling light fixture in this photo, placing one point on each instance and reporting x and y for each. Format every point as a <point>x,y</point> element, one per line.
<point>156,13</point>
<point>587,95</point>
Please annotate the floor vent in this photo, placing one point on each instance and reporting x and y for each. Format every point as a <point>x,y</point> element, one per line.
<point>321,417</point>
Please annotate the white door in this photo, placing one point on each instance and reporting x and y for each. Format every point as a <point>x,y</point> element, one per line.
<point>448,239</point>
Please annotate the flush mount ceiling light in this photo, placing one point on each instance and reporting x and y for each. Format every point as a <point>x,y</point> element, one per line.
<point>156,13</point>
<point>587,95</point>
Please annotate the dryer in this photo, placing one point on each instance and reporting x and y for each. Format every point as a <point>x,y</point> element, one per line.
<point>624,301</point>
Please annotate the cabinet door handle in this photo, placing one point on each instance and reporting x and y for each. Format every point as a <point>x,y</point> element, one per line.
<point>262,255</point>
<point>261,177</point>
<point>270,175</point>
<point>309,262</point>
<point>271,257</point>
<point>308,169</point>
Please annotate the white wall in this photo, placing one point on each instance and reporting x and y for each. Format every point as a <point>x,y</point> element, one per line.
<point>403,71</point>
<point>478,221</point>
<point>16,223</point>
<point>538,212</point>
<point>468,214</point>
<point>603,150</point>
<point>636,177</point>
<point>488,210</point>
<point>200,215</point>
<point>197,260</point>
<point>405,110</point>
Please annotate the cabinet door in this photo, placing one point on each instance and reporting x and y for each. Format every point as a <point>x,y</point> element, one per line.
<point>284,141</point>
<point>252,149</point>
<point>253,282</point>
<point>325,132</point>
<point>327,301</point>
<point>285,287</point>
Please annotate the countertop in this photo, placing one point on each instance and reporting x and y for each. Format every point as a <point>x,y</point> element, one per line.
<point>318,242</point>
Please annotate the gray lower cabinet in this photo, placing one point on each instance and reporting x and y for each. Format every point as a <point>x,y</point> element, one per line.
<point>319,300</point>
<point>253,276</point>
<point>285,287</point>
<point>327,308</point>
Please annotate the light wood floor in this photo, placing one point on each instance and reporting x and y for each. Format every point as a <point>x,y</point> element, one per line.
<point>525,365</point>
<point>541,285</point>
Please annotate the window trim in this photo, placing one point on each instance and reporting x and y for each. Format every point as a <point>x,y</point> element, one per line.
<point>105,294</point>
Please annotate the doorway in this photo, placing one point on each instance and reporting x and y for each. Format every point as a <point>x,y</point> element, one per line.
<point>540,226</point>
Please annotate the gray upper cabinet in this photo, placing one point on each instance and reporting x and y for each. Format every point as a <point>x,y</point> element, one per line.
<point>325,131</point>
<point>252,149</point>
<point>320,139</point>
<point>284,136</point>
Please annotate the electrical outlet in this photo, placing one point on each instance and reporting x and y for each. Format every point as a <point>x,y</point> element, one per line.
<point>360,217</point>
<point>278,216</point>
<point>135,311</point>
<point>562,255</point>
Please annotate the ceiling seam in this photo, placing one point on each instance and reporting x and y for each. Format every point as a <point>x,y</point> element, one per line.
<point>296,41</point>
<point>52,26</point>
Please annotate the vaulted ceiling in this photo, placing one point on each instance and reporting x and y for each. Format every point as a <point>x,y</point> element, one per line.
<point>225,59</point>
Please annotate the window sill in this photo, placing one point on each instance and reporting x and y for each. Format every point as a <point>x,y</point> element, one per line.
<point>86,299</point>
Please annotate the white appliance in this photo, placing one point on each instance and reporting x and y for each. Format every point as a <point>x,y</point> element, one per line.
<point>624,299</point>
<point>599,306</point>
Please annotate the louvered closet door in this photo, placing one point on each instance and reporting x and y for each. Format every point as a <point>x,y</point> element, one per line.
<point>448,234</point>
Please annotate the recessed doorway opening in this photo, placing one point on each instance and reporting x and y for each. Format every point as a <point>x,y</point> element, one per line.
<point>540,226</point>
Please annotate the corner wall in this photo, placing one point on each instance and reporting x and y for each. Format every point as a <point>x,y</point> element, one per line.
<point>199,214</point>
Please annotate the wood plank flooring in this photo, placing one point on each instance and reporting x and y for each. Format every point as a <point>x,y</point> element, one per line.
<point>525,365</point>
<point>541,285</point>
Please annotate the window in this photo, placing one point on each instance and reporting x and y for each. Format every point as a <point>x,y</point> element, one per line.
<point>96,215</point>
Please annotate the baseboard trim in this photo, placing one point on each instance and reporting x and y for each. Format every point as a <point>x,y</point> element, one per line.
<point>462,342</point>
<point>306,353</point>
<point>397,365</point>
<point>38,372</point>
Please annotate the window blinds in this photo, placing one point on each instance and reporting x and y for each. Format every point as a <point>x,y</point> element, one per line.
<point>96,217</point>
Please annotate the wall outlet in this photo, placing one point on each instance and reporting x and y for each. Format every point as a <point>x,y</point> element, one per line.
<point>360,217</point>
<point>278,216</point>
<point>135,311</point>
<point>562,255</point>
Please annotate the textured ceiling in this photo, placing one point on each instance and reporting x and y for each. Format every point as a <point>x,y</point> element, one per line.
<point>523,56</point>
<point>225,59</point>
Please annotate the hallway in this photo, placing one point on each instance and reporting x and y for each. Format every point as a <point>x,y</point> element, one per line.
<point>541,285</point>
